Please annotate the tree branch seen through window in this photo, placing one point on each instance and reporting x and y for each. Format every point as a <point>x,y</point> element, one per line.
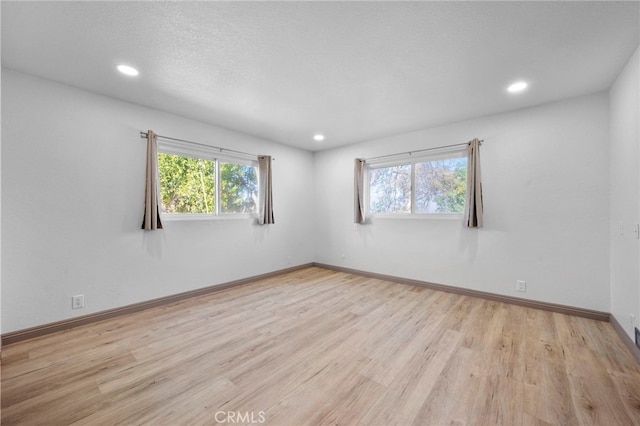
<point>433,186</point>
<point>188,185</point>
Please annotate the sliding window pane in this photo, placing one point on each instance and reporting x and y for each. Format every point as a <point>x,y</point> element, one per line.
<point>187,184</point>
<point>238,188</point>
<point>441,186</point>
<point>390,189</point>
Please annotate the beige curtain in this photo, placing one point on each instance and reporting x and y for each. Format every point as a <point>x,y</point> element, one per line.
<point>358,190</point>
<point>473,210</point>
<point>151,218</point>
<point>266,198</point>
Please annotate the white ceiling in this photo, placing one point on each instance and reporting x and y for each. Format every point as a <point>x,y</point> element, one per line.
<point>351,70</point>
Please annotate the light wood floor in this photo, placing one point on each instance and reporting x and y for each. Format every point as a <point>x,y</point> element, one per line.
<point>321,347</point>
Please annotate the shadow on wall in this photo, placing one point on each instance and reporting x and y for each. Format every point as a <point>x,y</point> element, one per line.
<point>153,243</point>
<point>469,238</point>
<point>365,231</point>
<point>260,232</point>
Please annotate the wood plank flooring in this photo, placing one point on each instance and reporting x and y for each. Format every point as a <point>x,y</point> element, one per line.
<point>320,347</point>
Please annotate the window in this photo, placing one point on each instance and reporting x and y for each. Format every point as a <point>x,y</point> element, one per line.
<point>390,189</point>
<point>238,188</point>
<point>196,184</point>
<point>441,185</point>
<point>187,184</point>
<point>429,185</point>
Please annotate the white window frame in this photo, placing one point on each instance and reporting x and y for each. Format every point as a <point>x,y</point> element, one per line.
<point>210,154</point>
<point>411,159</point>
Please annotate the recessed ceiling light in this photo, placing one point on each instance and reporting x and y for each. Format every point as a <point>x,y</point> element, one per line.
<point>127,70</point>
<point>517,87</point>
<point>318,137</point>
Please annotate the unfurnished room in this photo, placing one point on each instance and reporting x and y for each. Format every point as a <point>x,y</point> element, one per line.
<point>320,213</point>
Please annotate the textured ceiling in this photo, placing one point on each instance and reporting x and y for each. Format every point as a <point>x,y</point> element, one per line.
<point>351,70</point>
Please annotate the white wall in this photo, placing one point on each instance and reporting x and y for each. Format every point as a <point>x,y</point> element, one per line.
<point>625,195</point>
<point>70,223</point>
<point>72,189</point>
<point>0,205</point>
<point>546,191</point>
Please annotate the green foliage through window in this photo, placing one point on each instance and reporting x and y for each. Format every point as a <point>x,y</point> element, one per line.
<point>441,186</point>
<point>188,185</point>
<point>238,188</point>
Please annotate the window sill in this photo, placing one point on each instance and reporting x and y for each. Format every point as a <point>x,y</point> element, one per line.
<point>177,217</point>
<point>428,216</point>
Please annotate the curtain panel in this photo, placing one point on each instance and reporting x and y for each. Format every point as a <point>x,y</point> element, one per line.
<point>265,207</point>
<point>151,220</point>
<point>358,190</point>
<point>473,211</point>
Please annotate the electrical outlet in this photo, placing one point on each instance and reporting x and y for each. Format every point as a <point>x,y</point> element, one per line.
<point>77,302</point>
<point>521,285</point>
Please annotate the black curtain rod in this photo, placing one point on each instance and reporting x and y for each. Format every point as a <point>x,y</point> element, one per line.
<point>420,150</point>
<point>144,135</point>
